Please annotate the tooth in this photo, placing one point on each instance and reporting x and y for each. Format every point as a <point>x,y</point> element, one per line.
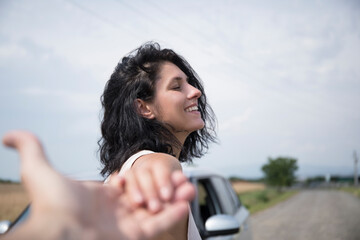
<point>195,108</point>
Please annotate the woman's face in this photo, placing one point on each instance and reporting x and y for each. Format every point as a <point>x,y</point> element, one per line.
<point>176,102</point>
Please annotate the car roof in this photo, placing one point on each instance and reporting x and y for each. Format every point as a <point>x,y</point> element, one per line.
<point>191,172</point>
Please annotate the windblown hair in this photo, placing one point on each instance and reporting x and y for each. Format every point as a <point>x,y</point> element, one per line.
<point>125,131</point>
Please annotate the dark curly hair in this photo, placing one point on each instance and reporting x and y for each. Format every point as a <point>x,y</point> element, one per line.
<point>125,131</point>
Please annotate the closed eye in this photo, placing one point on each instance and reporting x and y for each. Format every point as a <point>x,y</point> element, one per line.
<point>176,84</point>
<point>176,87</point>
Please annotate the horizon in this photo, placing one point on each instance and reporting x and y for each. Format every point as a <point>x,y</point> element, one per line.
<point>283,77</point>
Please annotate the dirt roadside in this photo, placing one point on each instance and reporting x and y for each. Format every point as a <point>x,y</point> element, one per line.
<point>311,214</point>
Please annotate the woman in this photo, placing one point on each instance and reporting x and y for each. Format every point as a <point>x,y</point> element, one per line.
<point>155,116</point>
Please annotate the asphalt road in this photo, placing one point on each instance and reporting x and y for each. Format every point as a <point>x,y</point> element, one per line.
<point>310,215</point>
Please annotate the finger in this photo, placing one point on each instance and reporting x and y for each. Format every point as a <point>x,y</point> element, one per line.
<point>178,178</point>
<point>133,190</point>
<point>117,182</point>
<point>165,219</point>
<point>149,189</point>
<point>164,182</point>
<point>28,146</point>
<point>185,191</point>
<point>34,165</point>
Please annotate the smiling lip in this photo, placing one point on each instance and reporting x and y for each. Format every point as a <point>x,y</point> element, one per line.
<point>191,108</point>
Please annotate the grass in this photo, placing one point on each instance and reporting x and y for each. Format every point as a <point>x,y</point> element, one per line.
<point>256,201</point>
<point>353,190</point>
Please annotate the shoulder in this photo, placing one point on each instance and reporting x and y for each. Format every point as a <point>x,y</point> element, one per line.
<point>158,160</point>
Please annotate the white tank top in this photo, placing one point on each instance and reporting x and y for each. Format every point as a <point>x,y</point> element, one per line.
<point>193,233</point>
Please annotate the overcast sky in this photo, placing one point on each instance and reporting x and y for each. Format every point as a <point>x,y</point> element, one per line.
<point>283,77</point>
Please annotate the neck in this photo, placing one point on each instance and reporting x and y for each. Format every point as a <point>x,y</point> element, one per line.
<point>177,153</point>
<point>181,137</point>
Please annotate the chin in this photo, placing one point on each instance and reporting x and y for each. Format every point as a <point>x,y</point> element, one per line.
<point>201,126</point>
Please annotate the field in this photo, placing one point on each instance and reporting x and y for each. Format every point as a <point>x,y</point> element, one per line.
<point>352,190</point>
<point>260,200</point>
<point>256,197</point>
<point>13,200</point>
<point>242,186</point>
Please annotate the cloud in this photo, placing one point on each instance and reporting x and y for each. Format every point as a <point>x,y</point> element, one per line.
<point>235,124</point>
<point>77,101</point>
<point>12,51</point>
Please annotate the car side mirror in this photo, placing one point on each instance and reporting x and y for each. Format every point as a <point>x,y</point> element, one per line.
<point>4,226</point>
<point>221,224</point>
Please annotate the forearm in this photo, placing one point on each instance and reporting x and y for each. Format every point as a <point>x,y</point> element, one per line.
<point>44,228</point>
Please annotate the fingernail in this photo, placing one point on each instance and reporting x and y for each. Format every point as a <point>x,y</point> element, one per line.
<point>138,198</point>
<point>154,205</point>
<point>165,193</point>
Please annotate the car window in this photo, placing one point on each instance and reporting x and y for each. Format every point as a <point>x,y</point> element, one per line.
<point>229,206</point>
<point>233,194</point>
<point>208,201</point>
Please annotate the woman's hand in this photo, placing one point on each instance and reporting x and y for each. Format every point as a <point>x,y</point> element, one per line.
<point>151,182</point>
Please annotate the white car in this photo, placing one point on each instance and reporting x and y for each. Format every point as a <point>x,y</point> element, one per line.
<point>217,211</point>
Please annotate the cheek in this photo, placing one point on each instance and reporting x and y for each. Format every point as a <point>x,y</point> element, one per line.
<point>168,106</point>
<point>158,112</point>
<point>162,110</point>
<point>171,102</point>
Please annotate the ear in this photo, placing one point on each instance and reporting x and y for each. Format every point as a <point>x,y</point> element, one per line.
<point>144,109</point>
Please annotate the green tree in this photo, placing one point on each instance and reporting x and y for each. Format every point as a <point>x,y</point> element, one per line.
<point>280,172</point>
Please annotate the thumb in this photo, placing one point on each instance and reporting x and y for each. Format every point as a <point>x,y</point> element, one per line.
<point>28,146</point>
<point>34,166</point>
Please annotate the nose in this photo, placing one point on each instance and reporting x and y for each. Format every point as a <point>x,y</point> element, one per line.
<point>194,92</point>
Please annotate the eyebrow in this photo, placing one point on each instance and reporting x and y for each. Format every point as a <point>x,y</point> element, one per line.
<point>179,79</point>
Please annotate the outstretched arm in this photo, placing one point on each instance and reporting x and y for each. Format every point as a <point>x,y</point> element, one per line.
<point>66,209</point>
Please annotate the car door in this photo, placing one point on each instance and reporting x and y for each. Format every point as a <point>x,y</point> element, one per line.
<point>216,196</point>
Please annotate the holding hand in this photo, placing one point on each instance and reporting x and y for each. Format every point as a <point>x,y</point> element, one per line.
<point>62,208</point>
<point>152,180</point>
